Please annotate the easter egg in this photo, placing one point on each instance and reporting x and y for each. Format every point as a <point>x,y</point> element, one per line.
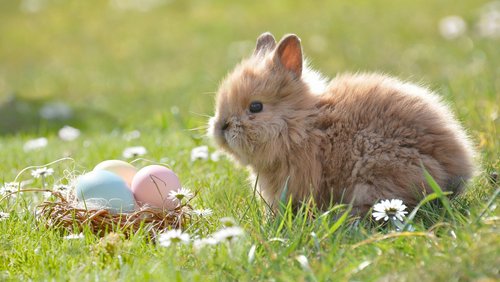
<point>105,187</point>
<point>123,169</point>
<point>152,184</point>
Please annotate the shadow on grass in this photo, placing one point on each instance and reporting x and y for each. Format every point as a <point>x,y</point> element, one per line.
<point>19,115</point>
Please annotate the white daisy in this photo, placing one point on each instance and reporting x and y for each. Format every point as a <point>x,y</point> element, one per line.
<point>35,144</point>
<point>228,234</point>
<point>9,187</point>
<point>68,133</point>
<point>215,156</point>
<point>42,172</point>
<point>203,212</point>
<point>199,153</point>
<point>74,236</point>
<point>452,27</point>
<point>489,20</point>
<point>203,242</point>
<point>4,216</point>
<point>173,237</point>
<point>389,209</point>
<point>133,152</point>
<point>180,194</point>
<point>228,221</point>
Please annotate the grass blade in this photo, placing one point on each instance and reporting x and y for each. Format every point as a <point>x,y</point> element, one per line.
<point>284,213</point>
<point>488,205</point>
<point>411,216</point>
<point>439,192</point>
<point>338,223</point>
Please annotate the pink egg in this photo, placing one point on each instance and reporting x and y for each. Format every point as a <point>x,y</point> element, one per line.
<point>152,184</point>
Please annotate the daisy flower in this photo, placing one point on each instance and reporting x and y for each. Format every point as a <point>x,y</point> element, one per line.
<point>68,133</point>
<point>389,209</point>
<point>489,20</point>
<point>42,172</point>
<point>35,144</point>
<point>452,27</point>
<point>133,152</point>
<point>74,236</point>
<point>4,216</point>
<point>228,234</point>
<point>173,237</point>
<point>228,221</point>
<point>199,153</point>
<point>9,187</point>
<point>203,242</point>
<point>215,156</point>
<point>180,194</point>
<point>203,212</point>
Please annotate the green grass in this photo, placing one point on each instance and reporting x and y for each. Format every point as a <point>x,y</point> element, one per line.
<point>121,70</point>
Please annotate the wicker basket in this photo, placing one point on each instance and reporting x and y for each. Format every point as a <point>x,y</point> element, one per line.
<point>66,215</point>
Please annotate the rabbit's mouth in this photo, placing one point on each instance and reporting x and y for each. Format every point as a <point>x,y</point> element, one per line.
<point>231,136</point>
<point>224,135</point>
<point>230,142</point>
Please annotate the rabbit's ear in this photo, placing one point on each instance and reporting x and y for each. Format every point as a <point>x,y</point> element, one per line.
<point>265,43</point>
<point>289,54</point>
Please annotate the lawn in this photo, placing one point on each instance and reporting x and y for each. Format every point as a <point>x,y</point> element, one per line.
<point>143,73</point>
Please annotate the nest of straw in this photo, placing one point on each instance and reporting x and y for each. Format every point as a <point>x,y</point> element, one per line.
<point>65,214</point>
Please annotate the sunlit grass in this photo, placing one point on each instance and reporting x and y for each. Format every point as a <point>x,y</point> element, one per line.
<point>156,72</point>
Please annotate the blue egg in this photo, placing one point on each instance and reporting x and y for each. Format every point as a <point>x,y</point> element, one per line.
<point>106,188</point>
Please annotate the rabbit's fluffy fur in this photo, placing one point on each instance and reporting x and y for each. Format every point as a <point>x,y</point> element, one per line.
<point>361,138</point>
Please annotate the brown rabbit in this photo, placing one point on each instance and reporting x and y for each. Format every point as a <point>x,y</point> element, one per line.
<point>359,139</point>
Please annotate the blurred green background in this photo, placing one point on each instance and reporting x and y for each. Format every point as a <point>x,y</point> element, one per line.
<point>155,64</point>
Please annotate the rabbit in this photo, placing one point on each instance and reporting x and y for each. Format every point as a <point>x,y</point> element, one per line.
<point>358,139</point>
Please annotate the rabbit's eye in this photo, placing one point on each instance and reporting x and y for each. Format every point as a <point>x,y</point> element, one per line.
<point>256,107</point>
